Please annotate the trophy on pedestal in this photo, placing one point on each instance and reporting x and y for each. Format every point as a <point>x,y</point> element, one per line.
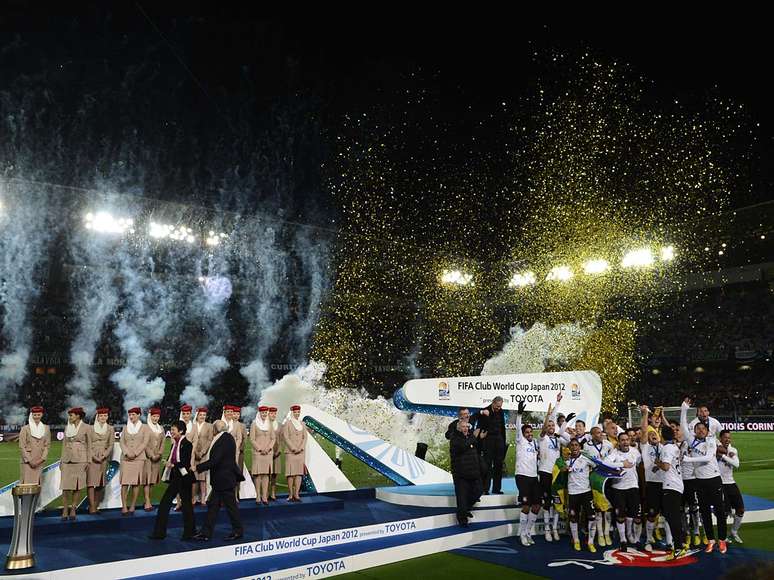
<point>25,501</point>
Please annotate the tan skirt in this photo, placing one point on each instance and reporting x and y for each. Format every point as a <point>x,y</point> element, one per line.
<point>262,464</point>
<point>132,472</point>
<point>73,476</point>
<point>95,474</point>
<point>294,464</point>
<point>277,464</point>
<point>30,475</point>
<point>201,476</point>
<point>152,472</point>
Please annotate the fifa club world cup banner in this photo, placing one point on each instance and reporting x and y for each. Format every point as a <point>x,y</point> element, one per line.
<point>581,393</point>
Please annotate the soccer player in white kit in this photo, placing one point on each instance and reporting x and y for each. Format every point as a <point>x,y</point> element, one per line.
<point>728,460</point>
<point>690,499</point>
<point>580,498</point>
<point>526,477</point>
<point>672,489</point>
<point>626,490</point>
<point>703,448</point>
<point>599,447</point>
<point>550,448</point>
<point>703,416</point>
<point>650,446</point>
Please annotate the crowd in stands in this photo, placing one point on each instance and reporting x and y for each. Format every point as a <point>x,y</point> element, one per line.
<point>699,344</point>
<point>714,324</point>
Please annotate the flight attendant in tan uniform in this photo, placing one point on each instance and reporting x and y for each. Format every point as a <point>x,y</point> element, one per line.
<point>201,442</point>
<point>294,437</point>
<point>74,460</point>
<point>277,454</point>
<point>134,440</point>
<point>243,435</point>
<point>262,439</point>
<point>186,417</point>
<point>153,452</point>
<point>102,439</point>
<point>34,443</point>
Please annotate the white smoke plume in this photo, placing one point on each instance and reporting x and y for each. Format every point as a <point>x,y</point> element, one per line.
<point>313,252</point>
<point>533,350</point>
<point>96,300</point>
<point>265,303</point>
<point>200,377</point>
<point>150,319</point>
<point>26,230</point>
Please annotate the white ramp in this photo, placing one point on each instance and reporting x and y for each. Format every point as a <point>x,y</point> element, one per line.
<point>397,464</point>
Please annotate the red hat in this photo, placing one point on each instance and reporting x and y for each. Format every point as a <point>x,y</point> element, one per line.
<point>135,410</point>
<point>102,410</point>
<point>154,411</point>
<point>77,411</point>
<point>37,409</point>
<point>263,408</point>
<point>201,410</point>
<point>185,408</point>
<point>295,407</point>
<point>272,409</point>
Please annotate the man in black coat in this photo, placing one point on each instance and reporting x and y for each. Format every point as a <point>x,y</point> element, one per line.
<point>225,475</point>
<point>491,421</point>
<point>180,479</point>
<point>463,414</point>
<point>465,469</point>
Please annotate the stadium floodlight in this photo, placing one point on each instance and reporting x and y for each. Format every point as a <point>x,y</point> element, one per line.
<point>596,266</point>
<point>214,239</point>
<point>560,273</point>
<point>105,223</point>
<point>639,258</point>
<point>667,253</point>
<point>456,277</point>
<point>167,231</point>
<point>521,279</point>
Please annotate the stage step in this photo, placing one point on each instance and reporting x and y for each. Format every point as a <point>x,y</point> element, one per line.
<point>320,562</point>
<point>112,520</point>
<point>361,530</point>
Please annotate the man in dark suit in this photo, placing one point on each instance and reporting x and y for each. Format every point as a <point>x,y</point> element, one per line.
<point>465,469</point>
<point>225,475</point>
<point>180,480</point>
<point>491,421</point>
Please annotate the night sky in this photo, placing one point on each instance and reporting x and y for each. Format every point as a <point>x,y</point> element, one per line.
<point>387,151</point>
<point>470,65</point>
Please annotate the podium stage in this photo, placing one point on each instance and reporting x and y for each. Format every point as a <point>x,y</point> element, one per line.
<point>326,534</point>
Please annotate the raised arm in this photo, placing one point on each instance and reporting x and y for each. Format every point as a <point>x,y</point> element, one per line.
<point>519,411</point>
<point>544,428</point>
<point>551,414</point>
<point>644,424</point>
<point>562,433</point>
<point>687,435</point>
